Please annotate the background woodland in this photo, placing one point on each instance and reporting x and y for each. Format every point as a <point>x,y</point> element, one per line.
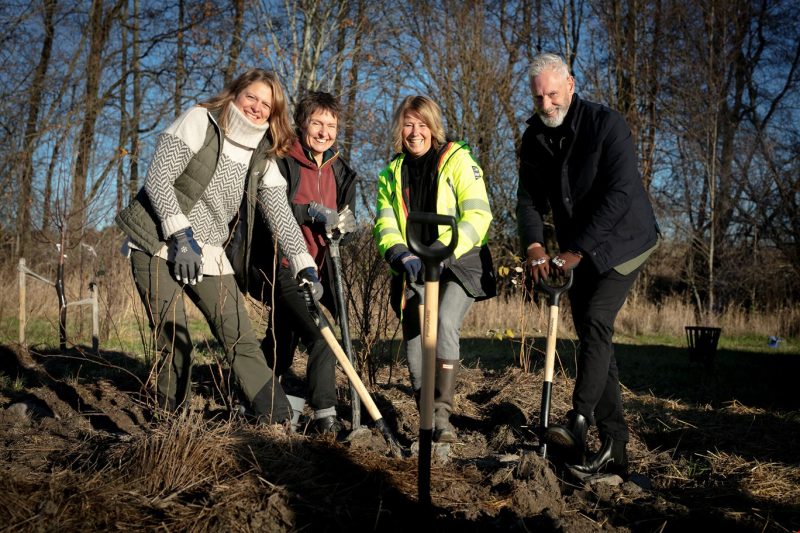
<point>710,89</point>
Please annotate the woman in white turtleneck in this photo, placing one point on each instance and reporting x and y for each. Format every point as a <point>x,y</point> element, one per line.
<point>214,155</point>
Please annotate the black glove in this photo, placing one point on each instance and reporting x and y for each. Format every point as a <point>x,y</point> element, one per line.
<point>408,263</point>
<point>188,256</point>
<point>308,276</point>
<point>347,220</point>
<point>323,215</point>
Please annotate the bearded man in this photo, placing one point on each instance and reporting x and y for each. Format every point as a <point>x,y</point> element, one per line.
<point>578,160</point>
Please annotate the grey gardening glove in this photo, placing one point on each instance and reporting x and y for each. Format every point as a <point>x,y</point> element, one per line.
<point>323,215</point>
<point>308,276</point>
<point>188,257</point>
<point>347,220</point>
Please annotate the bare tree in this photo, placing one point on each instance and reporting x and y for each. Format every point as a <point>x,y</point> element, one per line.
<point>32,130</point>
<point>235,48</point>
<point>100,21</point>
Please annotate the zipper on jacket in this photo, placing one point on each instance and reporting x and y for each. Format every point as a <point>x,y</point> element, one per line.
<point>453,190</point>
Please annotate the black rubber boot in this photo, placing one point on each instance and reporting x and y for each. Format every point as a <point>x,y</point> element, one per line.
<point>611,458</point>
<point>446,370</point>
<point>571,437</point>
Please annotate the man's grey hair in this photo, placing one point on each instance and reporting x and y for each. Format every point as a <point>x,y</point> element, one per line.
<point>548,61</point>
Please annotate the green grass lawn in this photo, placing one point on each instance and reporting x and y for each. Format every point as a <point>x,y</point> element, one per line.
<point>745,369</point>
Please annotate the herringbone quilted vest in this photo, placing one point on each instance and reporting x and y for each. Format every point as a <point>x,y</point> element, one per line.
<point>139,221</point>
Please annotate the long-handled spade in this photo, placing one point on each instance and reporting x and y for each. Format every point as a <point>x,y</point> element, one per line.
<point>554,295</point>
<point>325,328</point>
<point>431,258</point>
<point>344,324</point>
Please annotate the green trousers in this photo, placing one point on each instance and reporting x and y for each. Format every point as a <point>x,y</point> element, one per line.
<point>222,304</point>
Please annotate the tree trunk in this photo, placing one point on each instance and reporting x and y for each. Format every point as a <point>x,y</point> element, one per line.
<point>32,133</point>
<point>99,26</point>
<point>136,112</point>
<point>177,100</point>
<point>352,79</point>
<point>235,49</point>
<point>124,118</point>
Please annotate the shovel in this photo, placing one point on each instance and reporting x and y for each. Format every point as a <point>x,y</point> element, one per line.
<point>431,258</point>
<point>325,328</point>
<point>553,295</point>
<point>344,324</point>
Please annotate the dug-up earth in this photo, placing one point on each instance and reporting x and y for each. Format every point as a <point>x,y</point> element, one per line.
<point>82,449</point>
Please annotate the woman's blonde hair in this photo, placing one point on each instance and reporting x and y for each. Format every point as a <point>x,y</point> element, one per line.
<point>280,133</point>
<point>429,111</point>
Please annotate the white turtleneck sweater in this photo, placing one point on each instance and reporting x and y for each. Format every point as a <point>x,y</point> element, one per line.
<point>210,216</point>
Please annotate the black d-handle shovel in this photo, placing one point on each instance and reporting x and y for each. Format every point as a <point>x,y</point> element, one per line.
<point>344,324</point>
<point>553,295</point>
<point>431,258</point>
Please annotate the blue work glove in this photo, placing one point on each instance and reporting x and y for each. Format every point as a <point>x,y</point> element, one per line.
<point>188,257</point>
<point>308,276</point>
<point>408,263</point>
<point>347,220</point>
<point>323,215</point>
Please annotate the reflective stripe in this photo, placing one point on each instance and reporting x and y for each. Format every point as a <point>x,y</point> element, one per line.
<point>476,204</point>
<point>390,231</point>
<point>465,227</point>
<point>386,212</point>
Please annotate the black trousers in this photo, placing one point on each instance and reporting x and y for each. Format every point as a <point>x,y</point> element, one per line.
<point>596,299</point>
<point>291,323</point>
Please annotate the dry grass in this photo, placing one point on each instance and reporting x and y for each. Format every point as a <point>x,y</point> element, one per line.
<point>180,455</point>
<point>123,322</point>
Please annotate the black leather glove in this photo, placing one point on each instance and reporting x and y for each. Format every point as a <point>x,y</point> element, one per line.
<point>188,257</point>
<point>347,220</point>
<point>323,215</point>
<point>408,263</point>
<point>308,276</point>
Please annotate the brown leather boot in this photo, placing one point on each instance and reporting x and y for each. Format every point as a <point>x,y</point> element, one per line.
<point>446,370</point>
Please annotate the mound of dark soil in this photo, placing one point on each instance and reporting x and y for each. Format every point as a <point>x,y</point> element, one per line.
<point>82,448</point>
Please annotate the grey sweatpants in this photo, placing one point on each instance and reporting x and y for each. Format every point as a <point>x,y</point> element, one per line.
<point>453,305</point>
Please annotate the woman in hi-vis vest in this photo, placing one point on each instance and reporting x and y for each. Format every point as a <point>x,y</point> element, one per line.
<point>433,175</point>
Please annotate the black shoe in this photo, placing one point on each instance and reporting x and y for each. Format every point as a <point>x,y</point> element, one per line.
<point>328,425</point>
<point>611,458</point>
<point>571,437</point>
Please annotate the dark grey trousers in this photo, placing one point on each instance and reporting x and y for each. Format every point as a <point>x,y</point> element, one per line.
<point>222,304</point>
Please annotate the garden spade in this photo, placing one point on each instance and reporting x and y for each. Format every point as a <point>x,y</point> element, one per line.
<point>554,293</point>
<point>350,371</point>
<point>431,258</point>
<point>344,325</point>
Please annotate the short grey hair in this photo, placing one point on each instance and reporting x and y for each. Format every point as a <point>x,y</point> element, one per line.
<point>547,61</point>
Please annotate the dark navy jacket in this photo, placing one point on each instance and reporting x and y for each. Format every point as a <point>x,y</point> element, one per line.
<point>593,187</point>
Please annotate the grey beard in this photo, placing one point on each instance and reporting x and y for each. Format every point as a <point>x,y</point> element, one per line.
<point>553,122</point>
